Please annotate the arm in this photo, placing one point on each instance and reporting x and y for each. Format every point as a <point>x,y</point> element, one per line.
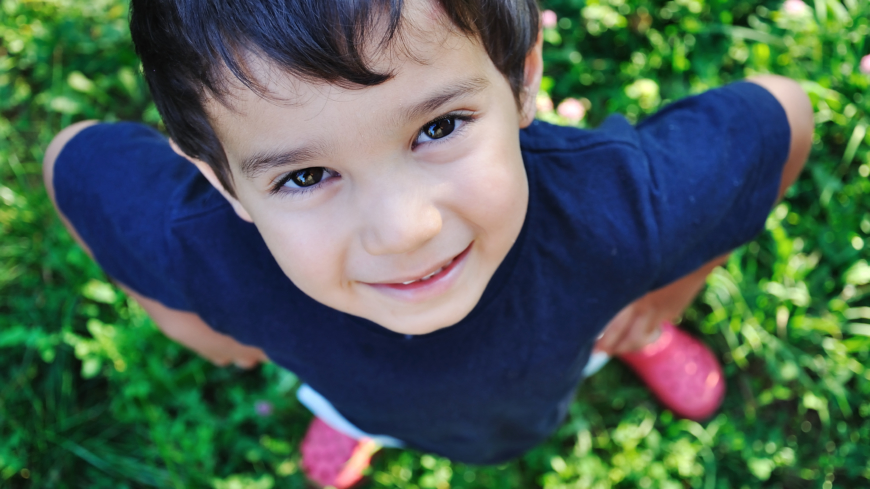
<point>191,331</point>
<point>799,112</point>
<point>184,327</point>
<point>638,323</point>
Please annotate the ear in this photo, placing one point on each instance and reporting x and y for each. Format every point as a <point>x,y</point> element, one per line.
<point>212,178</point>
<point>534,69</point>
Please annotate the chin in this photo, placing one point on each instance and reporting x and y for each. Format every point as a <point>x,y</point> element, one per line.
<point>420,324</point>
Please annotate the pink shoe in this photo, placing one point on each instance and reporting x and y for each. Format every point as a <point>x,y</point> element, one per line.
<point>331,458</point>
<point>681,371</point>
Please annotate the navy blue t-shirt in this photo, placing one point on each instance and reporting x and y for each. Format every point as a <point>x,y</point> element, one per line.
<point>613,214</point>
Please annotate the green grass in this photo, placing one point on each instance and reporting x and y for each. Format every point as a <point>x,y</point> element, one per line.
<point>92,395</point>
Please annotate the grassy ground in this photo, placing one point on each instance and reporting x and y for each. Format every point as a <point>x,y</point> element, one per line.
<point>91,395</point>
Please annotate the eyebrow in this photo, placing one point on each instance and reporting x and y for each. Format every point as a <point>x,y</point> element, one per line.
<point>255,165</point>
<point>464,88</point>
<point>259,163</point>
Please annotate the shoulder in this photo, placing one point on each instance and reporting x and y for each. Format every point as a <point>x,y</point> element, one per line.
<point>583,164</point>
<point>588,200</point>
<point>733,111</point>
<point>127,170</point>
<point>574,161</point>
<point>742,100</point>
<point>543,137</point>
<point>122,187</point>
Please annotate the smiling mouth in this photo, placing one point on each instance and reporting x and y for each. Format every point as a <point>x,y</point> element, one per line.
<point>430,278</point>
<point>427,277</point>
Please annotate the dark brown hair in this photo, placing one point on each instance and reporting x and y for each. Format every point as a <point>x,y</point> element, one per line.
<point>188,46</point>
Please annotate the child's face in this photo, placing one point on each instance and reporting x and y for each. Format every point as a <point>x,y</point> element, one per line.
<point>356,191</point>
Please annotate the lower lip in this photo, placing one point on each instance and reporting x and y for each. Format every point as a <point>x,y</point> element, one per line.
<point>422,290</point>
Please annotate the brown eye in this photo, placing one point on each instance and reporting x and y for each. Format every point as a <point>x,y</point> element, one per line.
<point>307,177</point>
<point>440,128</point>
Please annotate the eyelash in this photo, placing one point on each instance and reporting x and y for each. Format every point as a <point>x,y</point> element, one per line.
<point>279,188</point>
<point>465,117</point>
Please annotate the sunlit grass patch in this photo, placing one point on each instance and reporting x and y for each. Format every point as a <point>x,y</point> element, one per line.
<point>92,395</point>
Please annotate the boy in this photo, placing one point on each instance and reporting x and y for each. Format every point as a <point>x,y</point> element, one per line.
<point>371,205</point>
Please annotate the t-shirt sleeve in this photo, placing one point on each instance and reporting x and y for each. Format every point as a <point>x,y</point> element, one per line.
<point>114,183</point>
<point>715,163</point>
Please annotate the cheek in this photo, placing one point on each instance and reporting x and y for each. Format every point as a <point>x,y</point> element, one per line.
<point>308,254</point>
<point>493,194</point>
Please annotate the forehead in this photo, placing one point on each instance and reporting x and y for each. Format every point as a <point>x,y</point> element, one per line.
<point>427,55</point>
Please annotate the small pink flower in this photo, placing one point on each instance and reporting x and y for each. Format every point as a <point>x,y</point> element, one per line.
<point>794,7</point>
<point>263,408</point>
<point>544,103</point>
<point>865,64</point>
<point>571,109</point>
<point>549,19</point>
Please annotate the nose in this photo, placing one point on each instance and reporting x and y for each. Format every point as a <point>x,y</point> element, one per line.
<point>399,219</point>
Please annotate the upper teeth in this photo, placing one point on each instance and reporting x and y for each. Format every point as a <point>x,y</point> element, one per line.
<point>427,277</point>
